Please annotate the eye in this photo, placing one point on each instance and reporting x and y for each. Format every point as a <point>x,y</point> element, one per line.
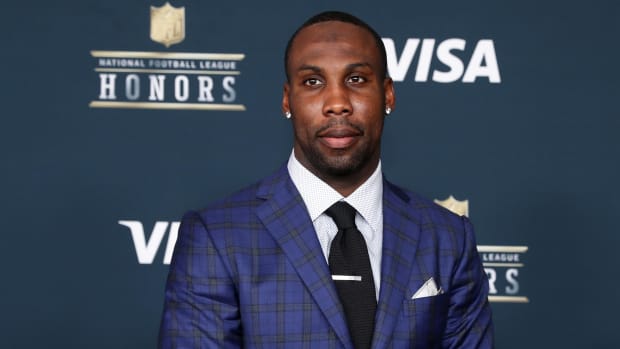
<point>356,79</point>
<point>313,82</point>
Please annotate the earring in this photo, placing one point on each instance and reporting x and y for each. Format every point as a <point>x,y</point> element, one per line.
<point>388,110</point>
<point>287,115</point>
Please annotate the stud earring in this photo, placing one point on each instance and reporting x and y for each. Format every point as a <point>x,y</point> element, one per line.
<point>287,115</point>
<point>388,110</point>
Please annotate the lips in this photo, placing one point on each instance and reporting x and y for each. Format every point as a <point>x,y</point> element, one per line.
<point>339,137</point>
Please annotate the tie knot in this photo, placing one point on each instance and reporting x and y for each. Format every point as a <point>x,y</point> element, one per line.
<point>343,215</point>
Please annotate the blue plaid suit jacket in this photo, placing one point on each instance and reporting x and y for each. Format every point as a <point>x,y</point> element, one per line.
<point>249,272</point>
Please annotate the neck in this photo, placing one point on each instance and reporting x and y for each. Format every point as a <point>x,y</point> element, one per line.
<point>345,184</point>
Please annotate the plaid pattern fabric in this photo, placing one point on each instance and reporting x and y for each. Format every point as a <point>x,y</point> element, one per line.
<point>249,272</point>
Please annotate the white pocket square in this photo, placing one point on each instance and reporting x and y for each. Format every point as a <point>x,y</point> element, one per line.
<point>429,289</point>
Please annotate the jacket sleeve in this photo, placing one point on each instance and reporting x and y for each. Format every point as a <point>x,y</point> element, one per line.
<point>469,317</point>
<point>201,307</point>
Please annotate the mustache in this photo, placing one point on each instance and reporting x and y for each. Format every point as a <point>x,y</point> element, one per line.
<point>340,122</point>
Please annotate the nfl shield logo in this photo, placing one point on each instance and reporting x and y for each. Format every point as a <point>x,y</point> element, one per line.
<point>459,207</point>
<point>167,24</point>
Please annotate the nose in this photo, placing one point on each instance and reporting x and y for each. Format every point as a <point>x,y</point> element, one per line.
<point>336,101</point>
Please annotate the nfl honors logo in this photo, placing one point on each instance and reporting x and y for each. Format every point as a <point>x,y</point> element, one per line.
<point>459,207</point>
<point>502,264</point>
<point>167,80</point>
<point>167,24</point>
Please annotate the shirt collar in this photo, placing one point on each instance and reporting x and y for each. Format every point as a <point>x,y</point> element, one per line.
<point>319,196</point>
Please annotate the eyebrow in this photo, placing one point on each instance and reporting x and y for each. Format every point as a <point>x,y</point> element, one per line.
<point>351,66</point>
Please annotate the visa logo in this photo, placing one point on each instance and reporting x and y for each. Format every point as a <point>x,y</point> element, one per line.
<point>146,249</point>
<point>481,64</point>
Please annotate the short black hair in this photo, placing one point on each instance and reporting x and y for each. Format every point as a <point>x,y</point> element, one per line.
<point>338,16</point>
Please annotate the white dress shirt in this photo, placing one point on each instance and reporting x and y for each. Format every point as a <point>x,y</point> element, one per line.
<point>367,201</point>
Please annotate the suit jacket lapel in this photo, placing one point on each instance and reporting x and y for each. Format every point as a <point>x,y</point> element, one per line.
<point>285,216</point>
<point>400,241</point>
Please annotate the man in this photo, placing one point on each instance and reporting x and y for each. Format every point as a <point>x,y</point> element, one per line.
<point>286,264</point>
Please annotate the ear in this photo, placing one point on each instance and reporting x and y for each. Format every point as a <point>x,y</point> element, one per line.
<point>285,104</point>
<point>390,98</point>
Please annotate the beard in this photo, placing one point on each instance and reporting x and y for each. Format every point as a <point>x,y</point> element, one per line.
<point>338,165</point>
<point>342,162</point>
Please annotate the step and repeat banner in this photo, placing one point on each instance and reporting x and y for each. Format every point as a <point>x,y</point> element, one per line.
<point>117,117</point>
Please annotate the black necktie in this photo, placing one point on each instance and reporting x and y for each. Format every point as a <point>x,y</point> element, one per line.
<point>350,268</point>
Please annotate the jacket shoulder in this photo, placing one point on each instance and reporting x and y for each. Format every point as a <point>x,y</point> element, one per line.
<point>428,214</point>
<point>242,203</point>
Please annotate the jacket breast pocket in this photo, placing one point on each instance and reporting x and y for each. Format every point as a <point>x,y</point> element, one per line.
<point>423,322</point>
<point>426,306</point>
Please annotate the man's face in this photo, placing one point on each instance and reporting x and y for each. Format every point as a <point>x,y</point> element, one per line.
<point>337,95</point>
